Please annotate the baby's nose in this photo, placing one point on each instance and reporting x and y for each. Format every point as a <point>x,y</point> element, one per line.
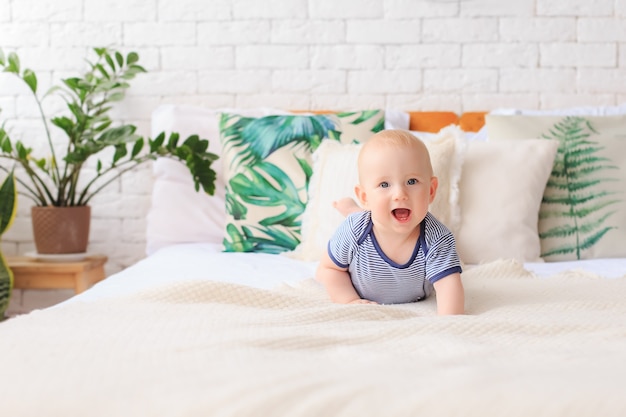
<point>400,193</point>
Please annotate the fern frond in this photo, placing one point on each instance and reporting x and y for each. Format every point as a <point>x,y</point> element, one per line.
<point>593,239</point>
<point>559,250</point>
<point>579,199</point>
<point>575,193</point>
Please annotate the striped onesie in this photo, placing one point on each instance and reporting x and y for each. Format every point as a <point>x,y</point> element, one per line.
<point>377,278</point>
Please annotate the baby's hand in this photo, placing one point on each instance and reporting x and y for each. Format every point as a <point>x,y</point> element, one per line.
<point>346,206</point>
<point>362,301</point>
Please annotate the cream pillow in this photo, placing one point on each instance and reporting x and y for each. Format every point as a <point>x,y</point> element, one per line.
<point>501,188</point>
<point>335,175</point>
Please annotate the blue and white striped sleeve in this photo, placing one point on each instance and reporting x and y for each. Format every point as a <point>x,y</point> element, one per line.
<point>442,258</point>
<point>342,245</point>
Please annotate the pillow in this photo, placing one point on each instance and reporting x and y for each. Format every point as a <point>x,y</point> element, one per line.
<point>583,214</point>
<point>335,175</point>
<point>500,194</point>
<point>267,163</point>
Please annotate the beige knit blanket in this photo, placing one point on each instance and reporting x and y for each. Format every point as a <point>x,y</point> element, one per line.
<point>527,347</point>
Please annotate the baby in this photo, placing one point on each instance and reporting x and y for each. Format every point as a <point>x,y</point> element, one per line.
<point>394,251</point>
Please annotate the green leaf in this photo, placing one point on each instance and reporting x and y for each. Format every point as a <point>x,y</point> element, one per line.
<point>119,58</point>
<point>22,152</point>
<point>41,163</point>
<point>2,57</point>
<point>31,79</point>
<point>280,240</point>
<point>234,207</point>
<point>8,202</point>
<point>64,123</point>
<point>256,139</point>
<point>116,96</point>
<point>137,148</point>
<point>156,143</point>
<point>120,152</point>
<point>173,140</point>
<point>253,187</point>
<point>5,142</point>
<point>102,71</point>
<point>238,241</point>
<point>100,51</point>
<point>109,61</point>
<point>131,58</point>
<point>14,63</point>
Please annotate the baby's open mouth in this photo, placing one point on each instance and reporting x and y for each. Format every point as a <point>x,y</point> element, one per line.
<point>401,214</point>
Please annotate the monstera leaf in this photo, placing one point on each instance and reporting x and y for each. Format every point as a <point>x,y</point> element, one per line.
<point>259,138</point>
<point>265,185</point>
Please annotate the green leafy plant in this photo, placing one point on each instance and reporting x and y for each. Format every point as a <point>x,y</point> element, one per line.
<point>8,206</point>
<point>573,193</point>
<point>56,179</point>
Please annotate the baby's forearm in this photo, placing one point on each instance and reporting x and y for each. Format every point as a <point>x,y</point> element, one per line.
<point>338,285</point>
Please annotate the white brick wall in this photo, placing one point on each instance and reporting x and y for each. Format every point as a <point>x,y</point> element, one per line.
<point>414,54</point>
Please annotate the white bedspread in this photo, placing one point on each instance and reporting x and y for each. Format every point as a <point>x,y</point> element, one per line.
<point>527,347</point>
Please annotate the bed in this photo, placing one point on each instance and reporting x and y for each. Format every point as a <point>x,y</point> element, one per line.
<point>193,330</point>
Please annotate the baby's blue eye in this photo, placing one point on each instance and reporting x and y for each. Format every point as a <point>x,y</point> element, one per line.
<point>384,185</point>
<point>412,181</point>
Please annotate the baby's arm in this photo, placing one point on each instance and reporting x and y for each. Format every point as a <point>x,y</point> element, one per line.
<point>337,283</point>
<point>450,295</point>
<point>346,206</point>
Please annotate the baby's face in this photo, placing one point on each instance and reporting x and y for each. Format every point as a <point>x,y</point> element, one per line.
<point>397,185</point>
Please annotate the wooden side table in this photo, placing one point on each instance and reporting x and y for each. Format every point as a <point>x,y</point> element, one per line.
<point>77,275</point>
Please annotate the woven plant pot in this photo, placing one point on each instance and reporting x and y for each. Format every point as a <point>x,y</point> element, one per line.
<point>59,230</point>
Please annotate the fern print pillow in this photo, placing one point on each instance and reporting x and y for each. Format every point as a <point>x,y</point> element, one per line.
<point>268,165</point>
<point>583,212</point>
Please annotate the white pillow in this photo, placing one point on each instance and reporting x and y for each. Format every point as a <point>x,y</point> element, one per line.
<point>179,214</point>
<point>501,188</point>
<point>335,175</point>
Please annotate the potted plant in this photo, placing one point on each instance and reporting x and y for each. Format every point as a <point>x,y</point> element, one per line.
<point>8,204</point>
<point>64,178</point>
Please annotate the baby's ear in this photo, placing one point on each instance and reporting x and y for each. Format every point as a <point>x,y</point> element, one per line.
<point>361,195</point>
<point>434,183</point>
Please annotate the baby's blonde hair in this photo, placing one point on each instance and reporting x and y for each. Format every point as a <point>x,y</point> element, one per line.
<point>396,137</point>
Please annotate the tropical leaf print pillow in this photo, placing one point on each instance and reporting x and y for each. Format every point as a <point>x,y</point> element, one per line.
<point>583,212</point>
<point>268,166</point>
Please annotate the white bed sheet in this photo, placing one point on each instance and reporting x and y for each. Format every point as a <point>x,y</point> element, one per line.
<point>202,261</point>
<point>206,261</point>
